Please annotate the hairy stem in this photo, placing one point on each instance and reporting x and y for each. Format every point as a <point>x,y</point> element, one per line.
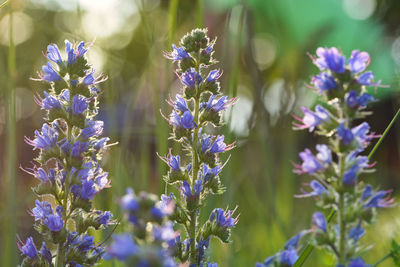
<point>341,206</point>
<point>196,166</point>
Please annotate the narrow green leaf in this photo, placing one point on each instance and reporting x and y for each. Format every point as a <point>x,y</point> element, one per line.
<point>5,2</point>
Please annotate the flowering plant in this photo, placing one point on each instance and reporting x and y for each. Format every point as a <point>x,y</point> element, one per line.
<point>337,165</point>
<point>68,163</point>
<point>195,173</point>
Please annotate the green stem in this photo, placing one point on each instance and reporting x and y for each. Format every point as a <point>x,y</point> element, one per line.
<point>10,251</point>
<point>387,256</point>
<point>196,166</point>
<point>341,206</point>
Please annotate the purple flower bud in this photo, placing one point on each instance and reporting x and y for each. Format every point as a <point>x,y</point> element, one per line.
<point>78,148</point>
<point>330,58</point>
<point>179,104</point>
<point>319,221</point>
<point>358,61</point>
<point>187,120</point>
<point>89,79</point>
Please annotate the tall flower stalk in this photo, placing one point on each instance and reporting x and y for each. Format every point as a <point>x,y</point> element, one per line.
<point>195,173</point>
<point>68,164</point>
<point>336,167</point>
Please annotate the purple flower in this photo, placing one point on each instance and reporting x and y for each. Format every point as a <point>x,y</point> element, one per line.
<point>357,164</point>
<point>319,221</point>
<point>101,143</point>
<point>358,263</point>
<point>289,256</point>
<point>42,210</point>
<point>49,102</point>
<point>356,232</point>
<point>345,134</point>
<point>29,248</point>
<point>79,104</point>
<point>317,190</point>
<point>74,55</point>
<point>330,58</point>
<point>88,190</point>
<point>367,78</point>
<point>122,247</point>
<point>223,218</point>
<point>380,199</point>
<point>78,148</point>
<point>178,53</point>
<point>45,139</point>
<point>186,121</point>
<point>221,104</point>
<point>53,53</point>
<point>213,76</point>
<point>312,119</point>
<point>105,218</point>
<point>310,163</point>
<point>191,78</point>
<point>54,222</point>
<point>89,79</point>
<point>217,146</point>
<point>167,204</point>
<point>173,162</point>
<point>49,75</point>
<point>129,202</point>
<point>358,61</point>
<point>324,154</point>
<point>179,104</point>
<point>164,233</point>
<point>293,242</point>
<point>324,82</point>
<point>355,101</point>
<point>93,128</point>
<point>208,173</point>
<point>46,254</point>
<point>367,192</point>
<point>86,243</point>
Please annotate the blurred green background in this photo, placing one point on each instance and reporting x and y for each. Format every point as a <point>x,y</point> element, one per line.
<point>262,48</point>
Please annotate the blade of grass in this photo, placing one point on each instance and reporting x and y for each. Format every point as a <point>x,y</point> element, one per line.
<point>5,2</point>
<point>9,234</point>
<point>309,248</point>
<point>200,14</point>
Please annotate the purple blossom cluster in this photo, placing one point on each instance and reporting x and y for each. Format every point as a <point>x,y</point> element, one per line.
<point>68,166</point>
<point>153,241</point>
<point>337,165</point>
<point>196,174</point>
